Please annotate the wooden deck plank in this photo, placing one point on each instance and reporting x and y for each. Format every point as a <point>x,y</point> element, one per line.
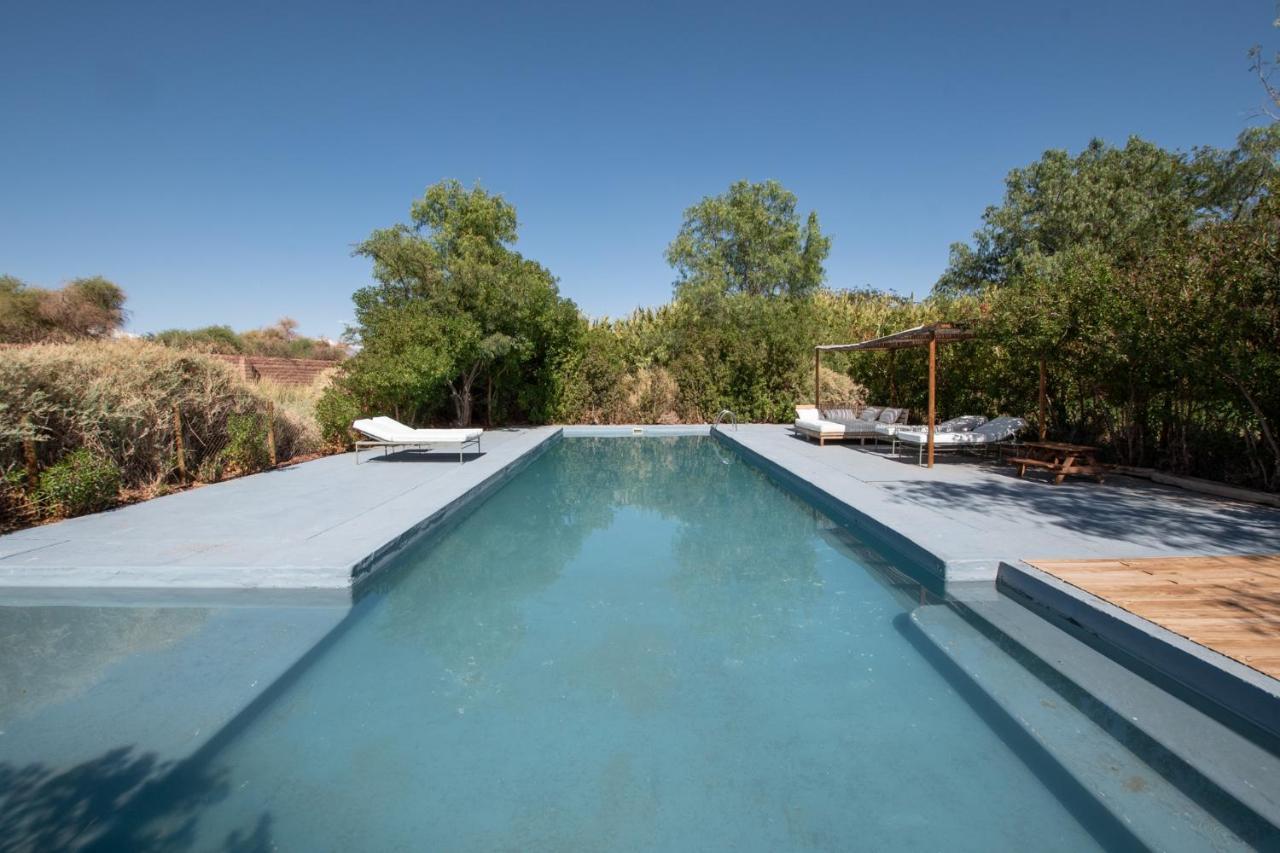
<point>1228,604</point>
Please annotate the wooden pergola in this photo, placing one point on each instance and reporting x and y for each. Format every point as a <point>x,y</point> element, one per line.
<point>921,336</point>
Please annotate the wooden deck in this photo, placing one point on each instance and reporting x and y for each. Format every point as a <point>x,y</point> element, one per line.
<point>1228,604</point>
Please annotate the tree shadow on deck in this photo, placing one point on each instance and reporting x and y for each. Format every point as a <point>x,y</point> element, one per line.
<point>1122,509</point>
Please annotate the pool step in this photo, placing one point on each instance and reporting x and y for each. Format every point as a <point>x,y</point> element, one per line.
<point>1246,769</point>
<point>1107,768</point>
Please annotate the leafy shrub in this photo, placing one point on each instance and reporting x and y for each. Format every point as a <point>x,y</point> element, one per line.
<point>247,450</point>
<point>212,469</point>
<point>81,482</point>
<point>335,410</point>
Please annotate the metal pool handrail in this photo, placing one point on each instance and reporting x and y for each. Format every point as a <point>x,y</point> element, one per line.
<point>720,419</point>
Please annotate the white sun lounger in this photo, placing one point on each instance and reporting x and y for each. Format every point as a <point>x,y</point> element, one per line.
<point>993,432</point>
<point>387,433</point>
<point>964,423</point>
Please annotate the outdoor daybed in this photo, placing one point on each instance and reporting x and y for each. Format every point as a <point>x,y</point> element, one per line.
<point>843,424</point>
<point>993,432</point>
<point>388,433</point>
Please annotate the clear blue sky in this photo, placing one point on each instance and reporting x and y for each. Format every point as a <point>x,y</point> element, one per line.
<point>218,160</point>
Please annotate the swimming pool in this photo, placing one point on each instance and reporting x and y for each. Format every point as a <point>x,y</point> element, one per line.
<point>647,644</point>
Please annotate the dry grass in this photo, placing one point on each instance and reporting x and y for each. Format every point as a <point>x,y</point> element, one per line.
<point>298,404</point>
<point>118,399</point>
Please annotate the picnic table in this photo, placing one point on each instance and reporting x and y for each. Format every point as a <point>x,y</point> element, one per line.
<point>1059,458</point>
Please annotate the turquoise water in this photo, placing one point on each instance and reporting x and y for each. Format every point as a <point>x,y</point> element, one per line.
<point>644,644</point>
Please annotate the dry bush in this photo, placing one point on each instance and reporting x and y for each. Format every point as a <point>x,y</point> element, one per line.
<point>840,391</point>
<point>117,399</point>
<point>651,398</point>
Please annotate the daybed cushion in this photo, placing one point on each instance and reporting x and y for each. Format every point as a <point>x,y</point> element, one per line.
<point>870,413</point>
<point>820,427</point>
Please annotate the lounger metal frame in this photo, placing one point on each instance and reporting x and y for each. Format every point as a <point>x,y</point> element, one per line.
<point>979,448</point>
<point>462,445</point>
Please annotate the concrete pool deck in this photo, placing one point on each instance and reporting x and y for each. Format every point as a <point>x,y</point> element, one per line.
<point>321,524</point>
<point>318,525</point>
<point>970,521</point>
<point>968,515</point>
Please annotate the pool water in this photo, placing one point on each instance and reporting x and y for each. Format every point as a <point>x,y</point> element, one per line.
<point>646,644</point>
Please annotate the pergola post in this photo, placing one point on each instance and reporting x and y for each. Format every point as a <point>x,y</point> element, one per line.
<point>1044,399</point>
<point>817,380</point>
<point>933,384</point>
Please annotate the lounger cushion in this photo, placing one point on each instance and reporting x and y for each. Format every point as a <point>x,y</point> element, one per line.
<point>1001,428</point>
<point>992,432</point>
<point>390,430</point>
<point>941,438</point>
<point>889,416</point>
<point>870,413</point>
<point>964,423</point>
<point>838,415</point>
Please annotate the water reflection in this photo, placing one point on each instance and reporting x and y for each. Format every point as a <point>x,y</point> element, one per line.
<point>462,595</point>
<point>50,655</point>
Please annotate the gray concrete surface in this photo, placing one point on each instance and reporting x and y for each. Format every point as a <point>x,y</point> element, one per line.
<point>971,514</point>
<point>315,525</point>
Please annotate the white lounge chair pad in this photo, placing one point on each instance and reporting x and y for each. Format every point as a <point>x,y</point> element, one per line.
<point>390,430</point>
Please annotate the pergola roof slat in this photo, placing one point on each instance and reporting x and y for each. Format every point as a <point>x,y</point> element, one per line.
<point>919,336</point>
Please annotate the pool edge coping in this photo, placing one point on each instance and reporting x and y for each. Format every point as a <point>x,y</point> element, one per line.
<point>1235,687</point>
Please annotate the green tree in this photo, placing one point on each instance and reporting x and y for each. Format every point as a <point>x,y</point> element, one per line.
<point>1116,198</point>
<point>455,304</point>
<point>749,240</point>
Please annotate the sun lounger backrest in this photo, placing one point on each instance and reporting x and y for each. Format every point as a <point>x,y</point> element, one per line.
<point>1002,428</point>
<point>379,431</point>
<point>964,423</point>
<point>391,423</point>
